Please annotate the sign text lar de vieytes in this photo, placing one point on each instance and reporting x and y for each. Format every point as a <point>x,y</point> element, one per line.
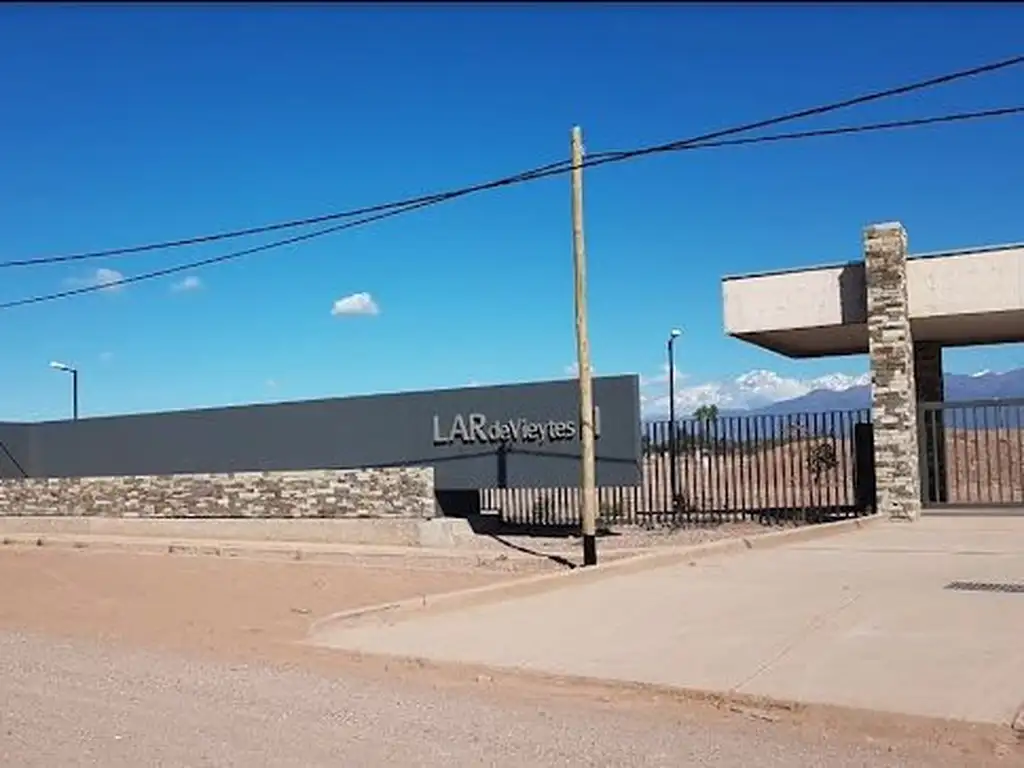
<point>477,428</point>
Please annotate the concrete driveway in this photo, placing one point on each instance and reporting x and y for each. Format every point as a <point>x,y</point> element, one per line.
<point>863,619</point>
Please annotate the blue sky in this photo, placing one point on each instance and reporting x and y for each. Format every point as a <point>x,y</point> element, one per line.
<point>124,124</point>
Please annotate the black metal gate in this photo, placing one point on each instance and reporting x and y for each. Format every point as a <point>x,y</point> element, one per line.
<point>808,466</point>
<point>972,453</point>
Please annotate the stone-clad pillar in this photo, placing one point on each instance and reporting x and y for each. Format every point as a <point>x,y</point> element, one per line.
<point>930,389</point>
<point>893,390</point>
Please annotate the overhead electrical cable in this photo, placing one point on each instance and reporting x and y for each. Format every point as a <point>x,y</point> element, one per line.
<point>436,199</point>
<point>551,169</point>
<point>559,167</point>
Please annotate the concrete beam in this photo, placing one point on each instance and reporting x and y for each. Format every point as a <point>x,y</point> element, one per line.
<point>955,299</point>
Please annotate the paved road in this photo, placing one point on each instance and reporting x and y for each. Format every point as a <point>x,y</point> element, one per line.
<point>860,619</point>
<point>79,704</point>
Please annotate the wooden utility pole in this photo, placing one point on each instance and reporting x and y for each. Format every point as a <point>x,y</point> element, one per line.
<point>588,486</point>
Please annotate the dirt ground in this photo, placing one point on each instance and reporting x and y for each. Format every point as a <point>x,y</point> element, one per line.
<point>620,541</point>
<point>189,603</point>
<point>253,611</point>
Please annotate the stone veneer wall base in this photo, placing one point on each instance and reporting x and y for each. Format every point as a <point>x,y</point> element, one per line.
<point>392,492</point>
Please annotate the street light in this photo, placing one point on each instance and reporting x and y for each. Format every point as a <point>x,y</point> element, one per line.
<point>672,336</point>
<point>74,384</point>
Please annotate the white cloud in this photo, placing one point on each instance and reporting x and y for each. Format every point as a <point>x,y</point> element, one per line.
<point>271,384</point>
<point>661,379</point>
<point>355,304</point>
<point>107,280</point>
<point>753,389</point>
<point>573,369</point>
<point>189,283</point>
<point>111,279</point>
<point>106,357</point>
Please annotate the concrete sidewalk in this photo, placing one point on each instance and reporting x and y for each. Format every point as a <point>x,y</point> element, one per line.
<point>862,619</point>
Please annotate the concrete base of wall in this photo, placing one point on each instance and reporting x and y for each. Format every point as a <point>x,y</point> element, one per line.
<point>445,533</point>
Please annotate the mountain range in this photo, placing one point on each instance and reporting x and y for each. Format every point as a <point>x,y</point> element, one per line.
<point>985,385</point>
<point>836,392</point>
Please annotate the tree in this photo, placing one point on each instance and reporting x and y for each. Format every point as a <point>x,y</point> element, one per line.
<point>706,413</point>
<point>822,459</point>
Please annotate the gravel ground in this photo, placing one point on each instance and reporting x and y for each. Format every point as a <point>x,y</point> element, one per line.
<point>621,542</point>
<point>128,660</point>
<point>68,704</point>
<point>508,554</point>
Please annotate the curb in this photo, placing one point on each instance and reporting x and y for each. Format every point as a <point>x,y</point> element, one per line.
<point>393,612</point>
<point>156,546</point>
<point>1017,723</point>
<point>307,552</point>
<point>434,533</point>
<point>753,706</point>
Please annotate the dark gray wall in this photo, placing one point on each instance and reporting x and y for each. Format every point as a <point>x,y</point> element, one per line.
<point>373,431</point>
<point>15,450</point>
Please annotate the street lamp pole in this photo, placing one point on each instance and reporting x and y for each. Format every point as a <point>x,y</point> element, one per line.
<point>74,385</point>
<point>672,440</point>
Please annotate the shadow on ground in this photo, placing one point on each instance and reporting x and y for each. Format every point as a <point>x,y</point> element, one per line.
<point>554,558</point>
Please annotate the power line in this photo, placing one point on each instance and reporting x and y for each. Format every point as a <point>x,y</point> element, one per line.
<point>216,259</point>
<point>439,198</point>
<point>814,111</point>
<point>917,122</point>
<point>559,167</point>
<point>550,169</point>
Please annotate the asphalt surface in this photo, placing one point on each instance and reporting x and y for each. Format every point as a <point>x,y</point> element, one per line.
<point>83,703</point>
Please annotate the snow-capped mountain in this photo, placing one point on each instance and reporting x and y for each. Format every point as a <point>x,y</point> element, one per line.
<point>749,391</point>
<point>958,388</point>
<point>765,392</point>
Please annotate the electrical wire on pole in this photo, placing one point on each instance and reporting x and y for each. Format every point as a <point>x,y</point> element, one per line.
<point>444,197</point>
<point>550,169</point>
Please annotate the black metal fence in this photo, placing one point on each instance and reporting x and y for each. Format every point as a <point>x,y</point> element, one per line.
<point>972,453</point>
<point>796,466</point>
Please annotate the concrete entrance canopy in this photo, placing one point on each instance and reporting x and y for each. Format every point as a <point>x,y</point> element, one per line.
<point>901,311</point>
<point>955,298</point>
